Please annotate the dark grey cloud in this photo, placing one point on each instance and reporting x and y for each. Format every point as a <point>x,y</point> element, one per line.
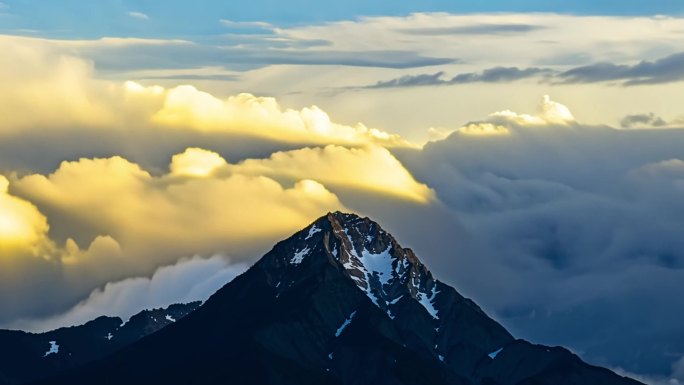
<point>476,29</point>
<point>499,75</point>
<point>649,120</point>
<point>34,151</point>
<point>490,75</point>
<point>637,120</point>
<point>570,234</point>
<point>20,295</point>
<point>435,79</point>
<point>382,59</point>
<point>664,70</point>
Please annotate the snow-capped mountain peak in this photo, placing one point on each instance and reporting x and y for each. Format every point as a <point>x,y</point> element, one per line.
<point>370,256</point>
<point>325,305</point>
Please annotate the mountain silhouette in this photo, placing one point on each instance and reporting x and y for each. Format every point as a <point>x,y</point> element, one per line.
<point>339,302</point>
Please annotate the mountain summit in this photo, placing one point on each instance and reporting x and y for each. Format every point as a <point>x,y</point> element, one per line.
<point>339,302</point>
<point>371,257</point>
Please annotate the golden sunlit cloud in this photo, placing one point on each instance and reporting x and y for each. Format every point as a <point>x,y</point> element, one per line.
<point>503,123</point>
<point>46,88</point>
<point>22,226</point>
<point>196,162</point>
<point>484,129</point>
<point>187,107</point>
<point>111,220</point>
<point>156,219</point>
<point>549,113</point>
<point>138,221</point>
<point>372,168</point>
<point>102,248</point>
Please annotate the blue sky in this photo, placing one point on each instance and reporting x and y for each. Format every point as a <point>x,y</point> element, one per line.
<point>85,19</point>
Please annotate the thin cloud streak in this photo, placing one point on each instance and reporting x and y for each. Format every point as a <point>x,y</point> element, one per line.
<point>664,70</point>
<point>138,15</point>
<point>490,75</point>
<point>475,29</point>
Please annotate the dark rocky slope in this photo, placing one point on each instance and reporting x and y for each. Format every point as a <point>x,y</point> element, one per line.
<point>340,302</point>
<point>30,356</point>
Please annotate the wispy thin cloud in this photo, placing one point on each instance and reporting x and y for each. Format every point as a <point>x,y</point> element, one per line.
<point>667,69</point>
<point>246,24</point>
<point>413,81</point>
<point>138,15</point>
<point>649,120</point>
<point>476,29</point>
<point>499,75</point>
<point>663,70</point>
<point>490,75</point>
<point>218,77</point>
<point>126,55</point>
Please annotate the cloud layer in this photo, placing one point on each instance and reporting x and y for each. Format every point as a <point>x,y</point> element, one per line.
<point>50,89</point>
<point>578,226</point>
<point>110,219</point>
<point>191,279</point>
<point>108,212</point>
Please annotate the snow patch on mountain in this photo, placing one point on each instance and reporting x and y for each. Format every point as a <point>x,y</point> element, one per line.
<point>54,349</point>
<point>313,230</point>
<point>299,256</point>
<point>380,273</point>
<point>346,323</point>
<point>428,303</point>
<point>493,354</point>
<point>377,265</point>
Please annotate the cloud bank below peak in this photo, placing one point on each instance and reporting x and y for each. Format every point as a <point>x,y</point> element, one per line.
<point>132,221</point>
<point>578,224</point>
<point>189,280</point>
